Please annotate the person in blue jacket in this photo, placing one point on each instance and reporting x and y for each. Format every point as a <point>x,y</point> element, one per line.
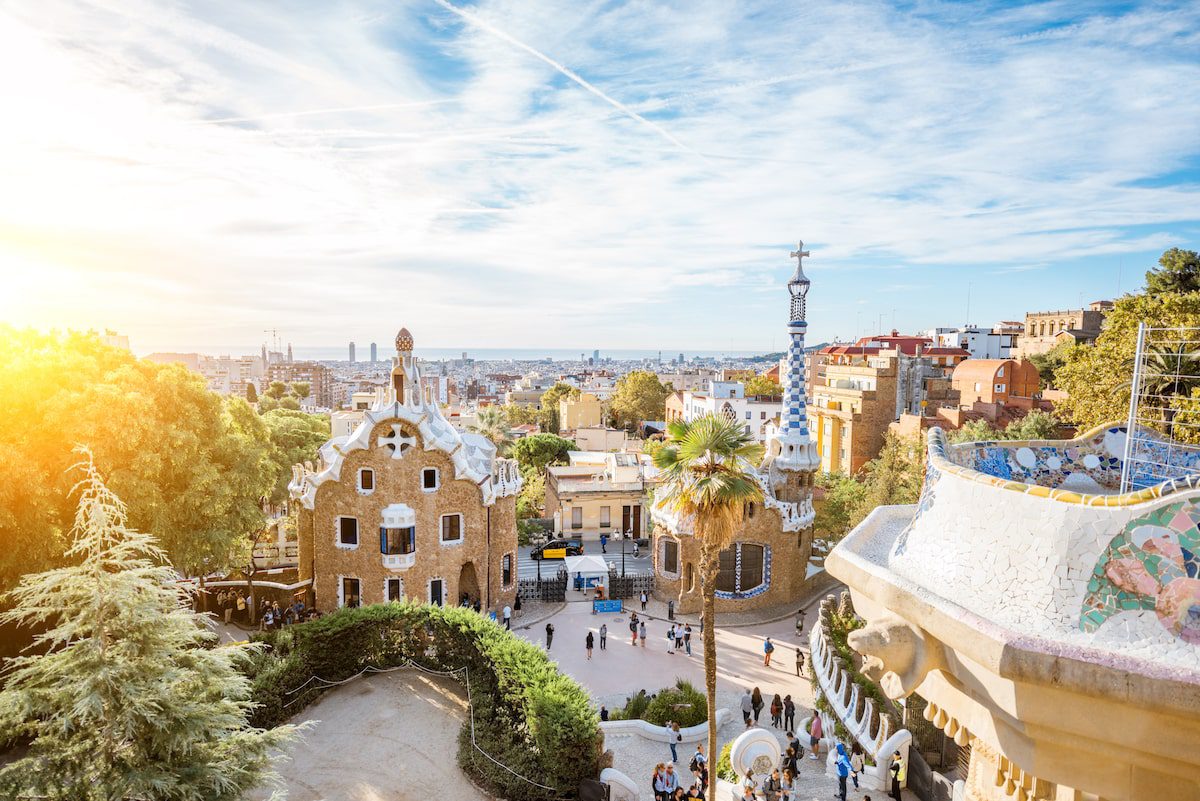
<point>843,770</point>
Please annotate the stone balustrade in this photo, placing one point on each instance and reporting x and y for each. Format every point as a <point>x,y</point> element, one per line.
<point>859,714</point>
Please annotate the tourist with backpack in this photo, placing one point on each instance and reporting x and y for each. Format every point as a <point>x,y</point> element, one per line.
<point>768,649</point>
<point>699,767</point>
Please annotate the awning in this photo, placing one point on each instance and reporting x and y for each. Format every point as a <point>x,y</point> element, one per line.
<point>588,565</point>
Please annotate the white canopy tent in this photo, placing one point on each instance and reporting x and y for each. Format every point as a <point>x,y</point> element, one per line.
<point>593,569</point>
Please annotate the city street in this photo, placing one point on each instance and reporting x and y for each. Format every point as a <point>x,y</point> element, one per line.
<point>527,566</point>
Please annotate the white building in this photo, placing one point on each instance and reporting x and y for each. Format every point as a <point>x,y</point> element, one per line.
<point>728,398</point>
<point>981,343</point>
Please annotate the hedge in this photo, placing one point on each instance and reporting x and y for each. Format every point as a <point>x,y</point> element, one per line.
<point>527,714</point>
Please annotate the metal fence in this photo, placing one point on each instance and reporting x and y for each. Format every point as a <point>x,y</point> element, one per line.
<point>630,585</point>
<point>1163,440</point>
<point>550,588</point>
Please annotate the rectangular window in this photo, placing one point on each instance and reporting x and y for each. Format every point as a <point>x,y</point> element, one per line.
<point>999,388</point>
<point>747,429</point>
<point>605,516</point>
<point>435,592</point>
<point>351,596</point>
<point>366,480</point>
<point>395,589</point>
<point>506,573</point>
<point>727,570</point>
<point>747,414</point>
<point>347,532</point>
<point>762,415</point>
<point>670,556</point>
<point>577,517</point>
<point>451,528</point>
<point>429,479</point>
<point>976,386</point>
<point>394,541</point>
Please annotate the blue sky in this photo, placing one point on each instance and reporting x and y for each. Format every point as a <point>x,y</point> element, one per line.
<point>587,174</point>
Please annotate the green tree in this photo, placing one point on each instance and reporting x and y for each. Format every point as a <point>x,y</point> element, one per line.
<point>301,389</point>
<point>842,498</point>
<point>1097,379</point>
<point>761,385</point>
<point>276,390</point>
<point>1036,424</point>
<point>289,402</point>
<point>638,396</point>
<point>492,422</point>
<point>708,476</point>
<point>518,415</point>
<point>548,419</point>
<point>295,438</point>
<point>128,699</point>
<point>251,393</point>
<point>893,477</point>
<point>1050,362</point>
<point>536,451</point>
<point>975,431</point>
<point>1178,272</point>
<point>192,467</point>
<point>531,500</point>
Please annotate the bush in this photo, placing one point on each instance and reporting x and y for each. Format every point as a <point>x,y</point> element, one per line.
<point>634,709</point>
<point>725,765</point>
<point>527,714</point>
<point>683,704</point>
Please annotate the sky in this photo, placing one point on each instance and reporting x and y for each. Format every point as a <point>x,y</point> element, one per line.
<point>584,174</point>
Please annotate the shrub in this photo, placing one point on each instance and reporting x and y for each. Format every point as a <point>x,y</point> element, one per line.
<point>725,765</point>
<point>682,703</point>
<point>527,714</point>
<point>634,709</point>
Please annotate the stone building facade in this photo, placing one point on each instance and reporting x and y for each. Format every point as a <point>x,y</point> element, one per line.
<point>1042,328</point>
<point>407,507</point>
<point>767,564</point>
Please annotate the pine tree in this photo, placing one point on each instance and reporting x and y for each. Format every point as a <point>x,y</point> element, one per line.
<point>129,699</point>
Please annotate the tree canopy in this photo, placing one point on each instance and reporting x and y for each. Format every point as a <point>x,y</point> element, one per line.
<point>295,437</point>
<point>492,422</point>
<point>1049,363</point>
<point>1178,272</point>
<point>639,396</point>
<point>1036,425</point>
<point>892,477</point>
<point>192,467</point>
<point>761,385</point>
<point>127,698</point>
<point>1097,379</point>
<point>534,452</point>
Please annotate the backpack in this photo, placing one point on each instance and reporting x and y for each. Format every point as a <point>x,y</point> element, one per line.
<point>694,766</point>
<point>770,647</point>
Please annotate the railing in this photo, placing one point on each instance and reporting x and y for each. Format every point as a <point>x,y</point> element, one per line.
<point>552,589</point>
<point>863,721</point>
<point>630,585</point>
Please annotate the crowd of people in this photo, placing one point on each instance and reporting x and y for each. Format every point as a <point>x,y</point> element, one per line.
<point>236,605</point>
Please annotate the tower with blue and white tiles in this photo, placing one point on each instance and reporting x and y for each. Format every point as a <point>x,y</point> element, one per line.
<point>793,455</point>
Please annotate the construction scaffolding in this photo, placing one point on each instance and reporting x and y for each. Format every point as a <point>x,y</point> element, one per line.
<point>1163,439</point>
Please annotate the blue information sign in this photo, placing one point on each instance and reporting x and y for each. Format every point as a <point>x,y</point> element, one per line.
<point>614,605</point>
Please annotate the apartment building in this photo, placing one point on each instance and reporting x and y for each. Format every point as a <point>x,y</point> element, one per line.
<point>600,493</point>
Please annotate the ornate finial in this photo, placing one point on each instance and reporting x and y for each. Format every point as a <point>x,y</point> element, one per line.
<point>799,254</point>
<point>404,341</point>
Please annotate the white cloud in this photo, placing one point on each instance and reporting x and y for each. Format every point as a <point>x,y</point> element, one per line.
<point>518,179</point>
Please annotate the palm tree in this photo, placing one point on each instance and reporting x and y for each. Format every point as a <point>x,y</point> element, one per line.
<point>1169,372</point>
<point>492,423</point>
<point>708,477</point>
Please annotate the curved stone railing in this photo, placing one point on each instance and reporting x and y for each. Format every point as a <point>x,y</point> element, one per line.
<point>649,731</point>
<point>870,727</point>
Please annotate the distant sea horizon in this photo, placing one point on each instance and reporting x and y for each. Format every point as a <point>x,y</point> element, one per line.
<point>363,353</point>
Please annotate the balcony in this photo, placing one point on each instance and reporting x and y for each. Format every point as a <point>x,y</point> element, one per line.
<point>276,555</point>
<point>399,561</point>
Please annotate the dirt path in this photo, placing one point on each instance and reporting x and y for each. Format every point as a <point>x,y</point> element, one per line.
<point>388,737</point>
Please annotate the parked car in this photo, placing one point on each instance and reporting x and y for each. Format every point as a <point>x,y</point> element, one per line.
<point>557,549</point>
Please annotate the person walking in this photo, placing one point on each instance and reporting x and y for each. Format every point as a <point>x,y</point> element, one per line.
<point>856,762</point>
<point>757,702</point>
<point>776,712</point>
<point>687,638</point>
<point>842,765</point>
<point>603,636</point>
<point>644,599</point>
<point>768,649</point>
<point>642,632</point>
<point>799,662</point>
<point>899,772</point>
<point>549,635</point>
<point>590,641</point>
<point>674,737</point>
<point>814,735</point>
<point>699,766</point>
<point>633,623</point>
<point>747,707</point>
<point>789,714</point>
<point>507,617</point>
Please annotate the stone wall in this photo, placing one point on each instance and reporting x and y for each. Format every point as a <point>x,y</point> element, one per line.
<point>399,481</point>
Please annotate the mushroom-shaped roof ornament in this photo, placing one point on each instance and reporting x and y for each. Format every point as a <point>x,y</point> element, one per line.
<point>404,341</point>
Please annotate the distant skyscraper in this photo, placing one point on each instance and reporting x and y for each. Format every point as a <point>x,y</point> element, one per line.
<point>596,355</point>
<point>352,353</point>
<point>264,355</point>
<point>289,353</point>
<point>374,353</point>
<point>681,358</point>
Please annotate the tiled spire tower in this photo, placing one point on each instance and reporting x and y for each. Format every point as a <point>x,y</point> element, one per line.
<point>795,451</point>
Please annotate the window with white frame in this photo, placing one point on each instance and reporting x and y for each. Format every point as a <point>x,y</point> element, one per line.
<point>347,531</point>
<point>669,556</point>
<point>366,481</point>
<point>577,517</point>
<point>452,528</point>
<point>999,388</point>
<point>349,592</point>
<point>429,479</point>
<point>605,516</point>
<point>393,589</point>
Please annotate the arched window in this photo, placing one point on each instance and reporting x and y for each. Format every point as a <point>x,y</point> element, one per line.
<point>727,412</point>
